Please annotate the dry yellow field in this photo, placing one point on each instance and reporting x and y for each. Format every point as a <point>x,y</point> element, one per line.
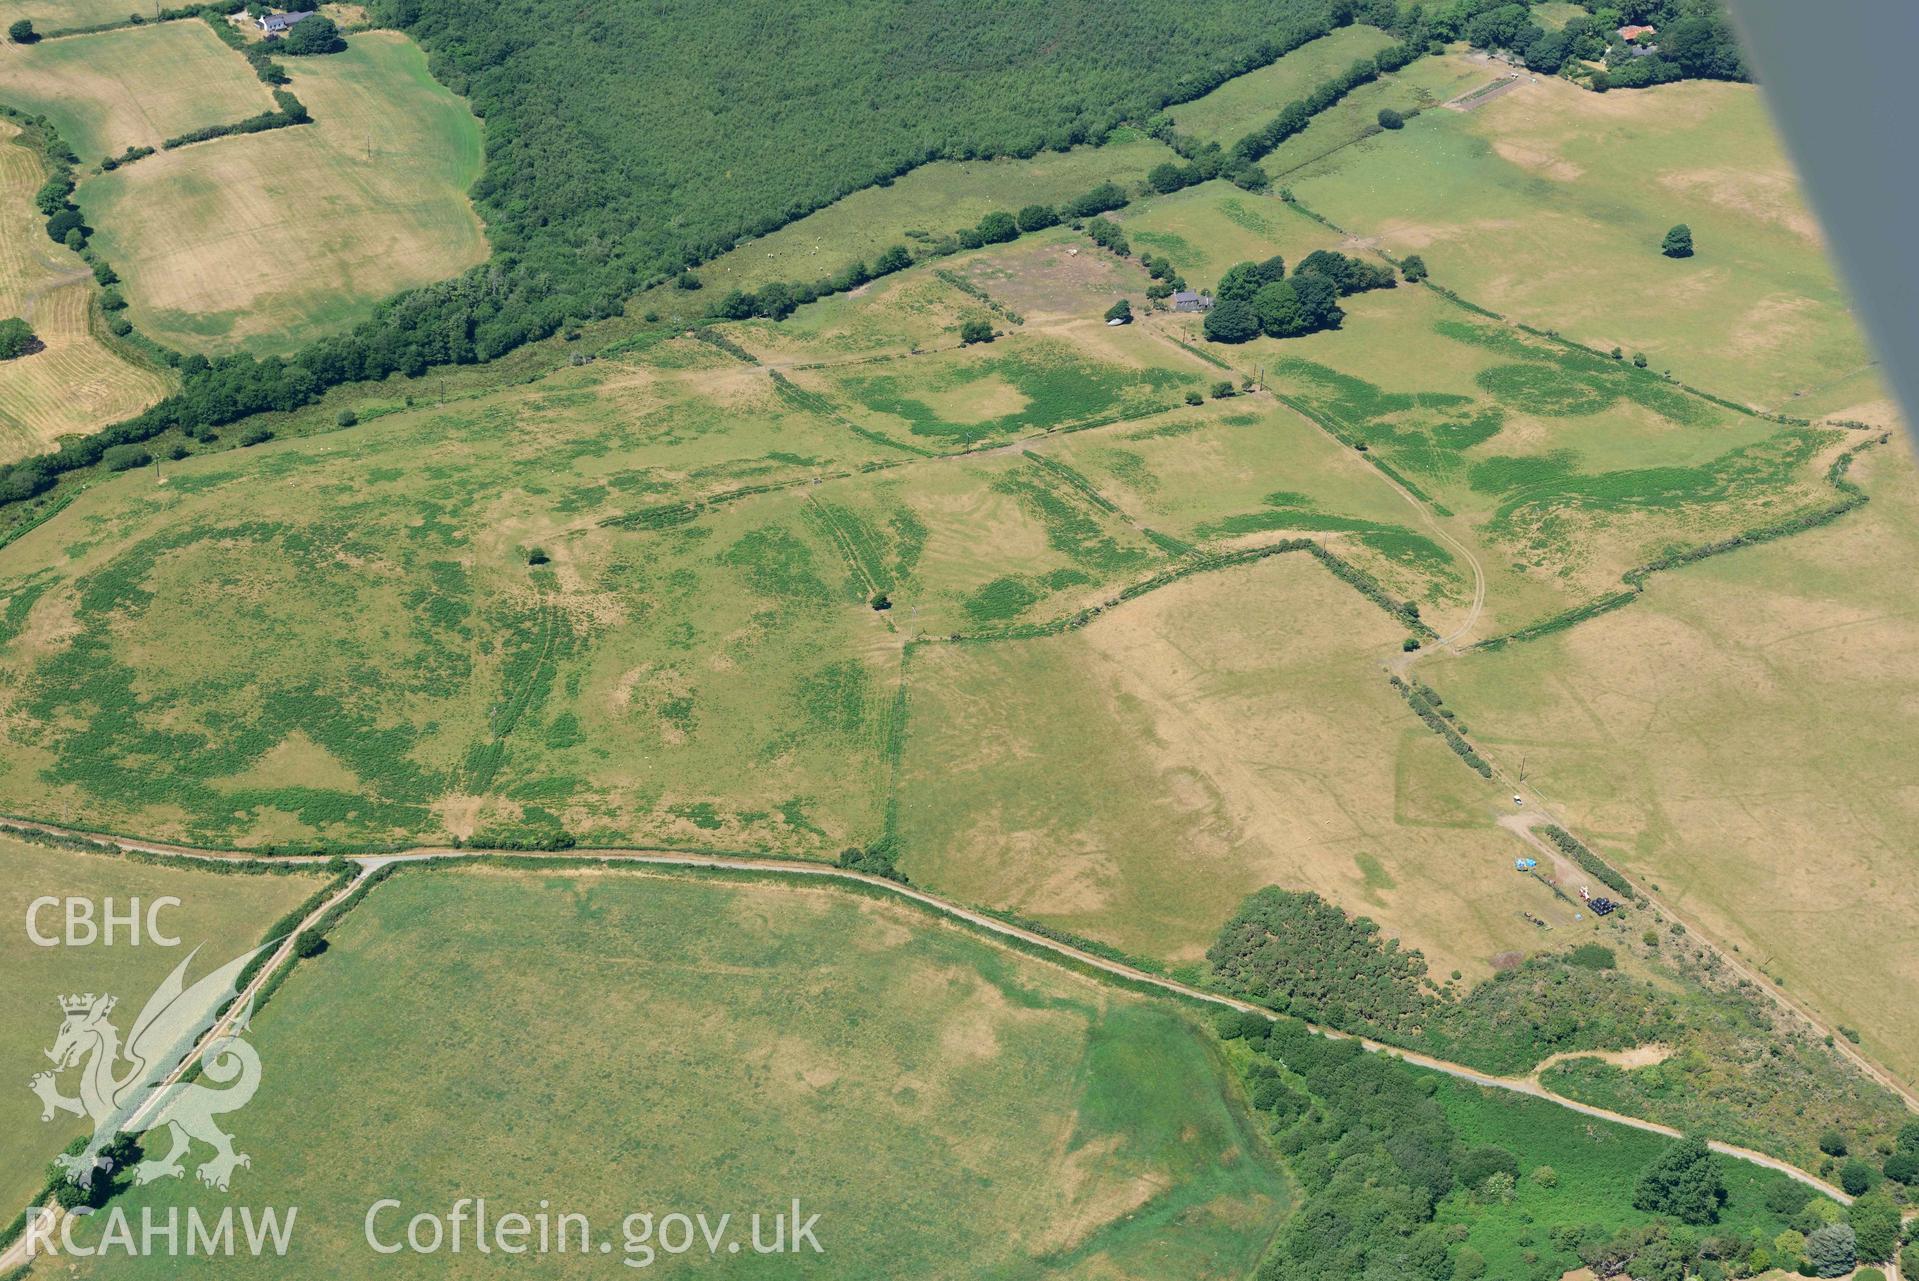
<point>1743,738</point>
<point>1133,780</point>
<point>135,87</point>
<point>62,15</point>
<point>78,383</point>
<point>265,241</point>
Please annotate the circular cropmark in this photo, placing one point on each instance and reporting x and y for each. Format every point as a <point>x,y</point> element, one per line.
<point>1544,390</point>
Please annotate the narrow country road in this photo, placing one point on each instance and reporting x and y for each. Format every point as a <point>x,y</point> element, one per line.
<point>823,872</point>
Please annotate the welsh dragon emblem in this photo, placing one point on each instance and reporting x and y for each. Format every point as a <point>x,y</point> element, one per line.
<point>125,1086</point>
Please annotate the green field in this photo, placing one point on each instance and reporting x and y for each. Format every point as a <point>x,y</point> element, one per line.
<point>223,914</point>
<point>1564,470</point>
<point>131,88</point>
<point>714,677</point>
<point>1726,737</point>
<point>932,201</point>
<point>1593,1173</point>
<point>617,1043</point>
<point>1550,203</point>
<point>1418,86</point>
<point>266,241</point>
<point>1205,229</point>
<point>1247,102</point>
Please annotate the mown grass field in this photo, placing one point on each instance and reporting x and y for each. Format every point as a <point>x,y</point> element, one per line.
<point>1247,102</point>
<point>79,382</point>
<point>1733,737</point>
<point>61,15</point>
<point>949,1109</point>
<point>1133,780</point>
<point>223,915</point>
<point>926,204</point>
<point>1550,203</point>
<point>131,88</point>
<point>263,242</point>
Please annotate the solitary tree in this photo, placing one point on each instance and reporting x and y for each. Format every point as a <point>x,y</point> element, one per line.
<point>1390,119</point>
<point>1414,268</point>
<point>1683,1182</point>
<point>22,32</point>
<point>1121,311</point>
<point>17,338</point>
<point>976,331</point>
<point>1678,242</point>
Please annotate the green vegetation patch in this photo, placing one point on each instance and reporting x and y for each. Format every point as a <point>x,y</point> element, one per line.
<point>1047,383</point>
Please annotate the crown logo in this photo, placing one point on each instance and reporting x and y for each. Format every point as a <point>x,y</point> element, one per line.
<point>81,1004</point>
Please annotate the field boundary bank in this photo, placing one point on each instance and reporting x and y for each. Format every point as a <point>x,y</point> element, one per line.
<point>376,867</point>
<point>1851,498</point>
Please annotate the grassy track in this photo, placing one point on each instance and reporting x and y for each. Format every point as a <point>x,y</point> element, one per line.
<point>78,383</point>
<point>136,87</point>
<point>966,1112</point>
<point>225,913</point>
<point>263,242</point>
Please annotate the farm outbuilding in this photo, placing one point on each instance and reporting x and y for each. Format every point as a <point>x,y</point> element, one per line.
<point>1187,300</point>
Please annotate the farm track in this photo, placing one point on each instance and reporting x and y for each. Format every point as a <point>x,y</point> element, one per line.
<point>788,869</point>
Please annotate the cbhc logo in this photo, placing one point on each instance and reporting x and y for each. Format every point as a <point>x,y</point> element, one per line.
<point>87,923</point>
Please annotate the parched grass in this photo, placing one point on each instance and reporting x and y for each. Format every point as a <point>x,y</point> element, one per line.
<point>79,382</point>
<point>381,663</point>
<point>221,914</point>
<point>1726,739</point>
<point>963,1111</point>
<point>131,88</point>
<point>1550,204</point>
<point>931,202</point>
<point>1132,780</point>
<point>262,242</point>
<point>64,15</point>
<point>1247,102</point>
<point>982,544</point>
